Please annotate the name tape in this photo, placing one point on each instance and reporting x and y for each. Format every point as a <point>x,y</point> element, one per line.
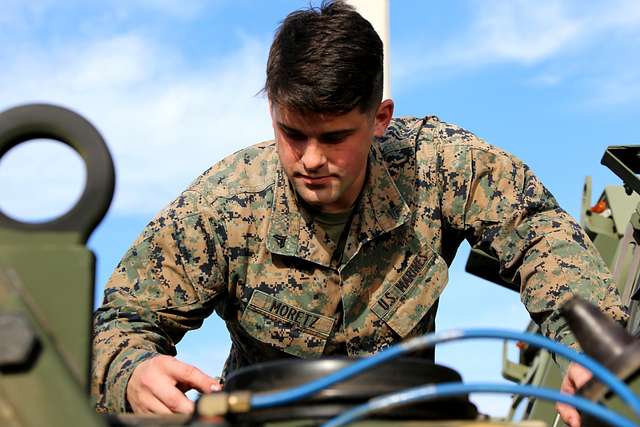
<point>271,306</point>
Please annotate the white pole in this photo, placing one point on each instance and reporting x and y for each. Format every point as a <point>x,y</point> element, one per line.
<point>377,12</point>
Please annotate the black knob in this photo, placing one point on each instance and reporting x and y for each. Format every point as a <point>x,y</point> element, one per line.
<point>603,339</point>
<point>600,337</point>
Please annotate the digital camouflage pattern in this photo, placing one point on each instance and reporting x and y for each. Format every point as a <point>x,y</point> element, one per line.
<point>237,242</point>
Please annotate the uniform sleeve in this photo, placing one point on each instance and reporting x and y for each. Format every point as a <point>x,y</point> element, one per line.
<point>504,210</point>
<point>164,286</point>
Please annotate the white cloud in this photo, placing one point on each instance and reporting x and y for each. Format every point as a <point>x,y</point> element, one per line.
<point>175,8</point>
<point>560,40</point>
<point>18,14</point>
<point>520,31</point>
<point>529,32</point>
<point>546,79</point>
<point>119,62</point>
<point>164,121</point>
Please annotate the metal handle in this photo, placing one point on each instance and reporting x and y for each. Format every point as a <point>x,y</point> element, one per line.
<point>624,161</point>
<point>24,123</point>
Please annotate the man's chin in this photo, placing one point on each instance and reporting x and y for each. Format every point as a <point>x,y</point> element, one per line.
<point>314,199</point>
<point>314,202</point>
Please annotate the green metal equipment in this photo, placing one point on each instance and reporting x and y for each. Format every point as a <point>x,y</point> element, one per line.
<point>47,283</point>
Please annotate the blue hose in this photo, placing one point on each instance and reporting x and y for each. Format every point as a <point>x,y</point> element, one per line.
<point>435,391</point>
<point>267,400</point>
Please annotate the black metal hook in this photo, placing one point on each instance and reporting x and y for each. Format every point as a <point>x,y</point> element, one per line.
<point>27,122</point>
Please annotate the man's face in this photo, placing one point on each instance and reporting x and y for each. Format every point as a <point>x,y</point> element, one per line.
<point>325,156</point>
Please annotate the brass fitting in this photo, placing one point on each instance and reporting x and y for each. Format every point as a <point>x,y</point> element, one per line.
<point>213,405</point>
<point>221,403</point>
<point>240,402</point>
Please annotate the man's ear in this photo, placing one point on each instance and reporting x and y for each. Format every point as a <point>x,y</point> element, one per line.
<point>383,116</point>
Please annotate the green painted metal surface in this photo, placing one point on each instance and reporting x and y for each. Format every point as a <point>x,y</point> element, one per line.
<point>47,282</point>
<point>56,273</point>
<point>48,389</point>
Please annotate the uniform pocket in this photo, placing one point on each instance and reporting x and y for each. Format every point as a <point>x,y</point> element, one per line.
<point>292,329</point>
<point>403,303</point>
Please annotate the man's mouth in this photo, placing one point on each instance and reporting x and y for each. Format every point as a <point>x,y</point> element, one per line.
<point>314,180</point>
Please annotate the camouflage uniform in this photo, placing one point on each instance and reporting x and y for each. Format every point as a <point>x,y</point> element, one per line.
<point>237,242</point>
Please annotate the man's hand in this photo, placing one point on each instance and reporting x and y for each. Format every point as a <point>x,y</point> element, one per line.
<point>157,386</point>
<point>575,378</point>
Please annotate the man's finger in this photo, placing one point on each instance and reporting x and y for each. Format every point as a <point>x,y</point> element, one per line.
<point>193,377</point>
<point>568,414</point>
<point>575,377</point>
<point>174,399</point>
<point>151,405</point>
<point>217,385</point>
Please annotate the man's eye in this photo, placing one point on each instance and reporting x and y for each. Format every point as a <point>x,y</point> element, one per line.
<point>295,136</point>
<point>333,139</point>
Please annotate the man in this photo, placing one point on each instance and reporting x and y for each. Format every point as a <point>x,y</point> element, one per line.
<point>335,238</point>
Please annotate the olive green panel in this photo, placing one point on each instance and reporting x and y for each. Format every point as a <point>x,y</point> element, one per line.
<point>607,246</point>
<point>606,231</point>
<point>633,325</point>
<point>622,205</point>
<point>586,199</point>
<point>44,391</point>
<point>514,371</point>
<point>596,224</point>
<point>56,276</point>
<point>551,378</point>
<point>543,372</point>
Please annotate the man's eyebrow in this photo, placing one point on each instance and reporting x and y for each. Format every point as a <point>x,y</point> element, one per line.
<point>288,129</point>
<point>338,133</point>
<point>334,133</point>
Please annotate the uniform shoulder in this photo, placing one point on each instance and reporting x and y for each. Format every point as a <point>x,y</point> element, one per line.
<point>404,132</point>
<point>249,170</point>
<point>453,139</point>
<point>444,133</point>
<point>400,134</point>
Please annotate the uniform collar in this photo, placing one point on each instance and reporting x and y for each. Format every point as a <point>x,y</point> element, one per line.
<point>381,209</point>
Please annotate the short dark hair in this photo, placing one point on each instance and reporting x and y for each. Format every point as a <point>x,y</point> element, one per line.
<point>326,60</point>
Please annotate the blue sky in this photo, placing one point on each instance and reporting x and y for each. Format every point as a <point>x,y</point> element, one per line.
<point>171,85</point>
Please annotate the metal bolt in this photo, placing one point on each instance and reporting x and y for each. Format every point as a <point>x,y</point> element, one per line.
<point>18,340</point>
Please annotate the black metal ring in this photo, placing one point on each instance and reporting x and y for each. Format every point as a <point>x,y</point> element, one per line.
<point>27,122</point>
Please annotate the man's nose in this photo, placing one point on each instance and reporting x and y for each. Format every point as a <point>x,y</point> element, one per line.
<point>313,157</point>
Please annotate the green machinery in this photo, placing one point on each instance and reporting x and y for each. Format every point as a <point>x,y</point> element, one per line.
<point>46,283</point>
<point>47,277</point>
